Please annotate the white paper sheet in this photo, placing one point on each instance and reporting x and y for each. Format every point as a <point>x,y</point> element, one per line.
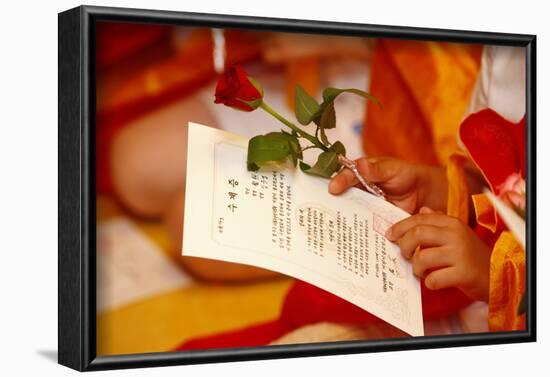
<point>287,221</point>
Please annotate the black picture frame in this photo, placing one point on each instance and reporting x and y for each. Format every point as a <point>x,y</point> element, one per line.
<point>76,188</point>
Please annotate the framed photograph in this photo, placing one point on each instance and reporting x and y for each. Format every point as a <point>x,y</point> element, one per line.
<point>240,188</point>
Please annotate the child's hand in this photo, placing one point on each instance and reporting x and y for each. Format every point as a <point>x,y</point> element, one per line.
<point>406,185</point>
<point>449,253</point>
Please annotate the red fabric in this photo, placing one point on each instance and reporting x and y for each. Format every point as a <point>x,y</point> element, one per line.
<point>179,76</point>
<point>115,40</point>
<point>257,335</point>
<point>306,304</point>
<point>495,144</point>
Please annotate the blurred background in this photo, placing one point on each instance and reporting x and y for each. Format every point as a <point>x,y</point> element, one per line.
<point>152,80</point>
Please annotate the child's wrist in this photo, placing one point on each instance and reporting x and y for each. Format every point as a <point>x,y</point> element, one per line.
<point>433,187</point>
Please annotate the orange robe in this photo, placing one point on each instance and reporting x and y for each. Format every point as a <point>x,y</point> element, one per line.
<point>425,89</point>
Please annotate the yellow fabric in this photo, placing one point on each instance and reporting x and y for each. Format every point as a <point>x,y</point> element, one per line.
<point>507,284</point>
<point>160,323</point>
<point>507,272</point>
<point>485,213</point>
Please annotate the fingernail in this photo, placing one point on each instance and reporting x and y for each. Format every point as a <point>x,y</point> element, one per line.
<point>425,210</point>
<point>372,163</point>
<point>428,284</point>
<point>389,234</point>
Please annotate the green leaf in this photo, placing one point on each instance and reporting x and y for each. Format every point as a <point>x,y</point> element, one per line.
<point>295,148</point>
<point>323,136</point>
<point>273,147</point>
<point>304,166</point>
<point>305,106</point>
<point>338,147</point>
<point>328,117</point>
<point>327,164</point>
<point>330,94</point>
<point>325,119</point>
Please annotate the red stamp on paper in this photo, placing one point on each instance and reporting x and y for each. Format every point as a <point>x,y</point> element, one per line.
<point>380,224</point>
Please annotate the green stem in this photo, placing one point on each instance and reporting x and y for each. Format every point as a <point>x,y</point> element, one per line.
<point>292,126</point>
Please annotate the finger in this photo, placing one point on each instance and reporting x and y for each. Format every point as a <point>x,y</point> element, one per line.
<point>373,169</point>
<point>443,278</point>
<point>423,236</point>
<point>425,210</point>
<point>426,259</point>
<point>397,230</point>
<point>342,181</point>
<point>378,169</point>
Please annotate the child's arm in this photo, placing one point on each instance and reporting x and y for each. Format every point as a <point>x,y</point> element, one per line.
<point>444,251</point>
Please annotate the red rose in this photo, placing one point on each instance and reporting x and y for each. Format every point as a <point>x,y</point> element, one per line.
<point>235,89</point>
